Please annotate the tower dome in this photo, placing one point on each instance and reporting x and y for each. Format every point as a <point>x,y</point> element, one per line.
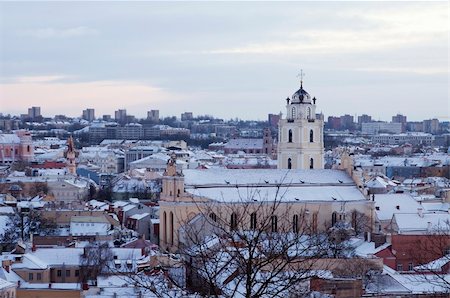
<point>301,96</point>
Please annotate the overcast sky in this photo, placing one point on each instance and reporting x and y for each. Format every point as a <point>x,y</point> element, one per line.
<point>226,59</point>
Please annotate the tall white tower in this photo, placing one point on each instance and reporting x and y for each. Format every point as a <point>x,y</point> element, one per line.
<point>300,134</point>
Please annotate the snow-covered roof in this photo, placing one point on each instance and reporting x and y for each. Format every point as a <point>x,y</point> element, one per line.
<point>139,216</point>
<point>9,139</point>
<point>287,194</point>
<point>89,219</point>
<point>221,176</point>
<point>388,204</point>
<point>413,222</point>
<point>434,265</point>
<point>4,284</point>
<point>244,144</point>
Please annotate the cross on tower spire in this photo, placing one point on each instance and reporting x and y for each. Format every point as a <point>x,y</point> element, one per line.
<point>301,75</point>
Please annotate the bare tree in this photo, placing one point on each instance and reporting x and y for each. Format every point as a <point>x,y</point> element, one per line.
<point>95,260</point>
<point>10,235</point>
<point>432,254</point>
<point>257,247</point>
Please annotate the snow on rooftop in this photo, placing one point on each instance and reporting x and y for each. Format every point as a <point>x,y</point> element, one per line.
<point>287,194</point>
<point>259,176</point>
<point>139,216</point>
<point>412,222</point>
<point>388,204</point>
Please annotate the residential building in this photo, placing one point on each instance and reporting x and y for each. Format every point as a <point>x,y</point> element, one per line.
<point>88,115</point>
<point>89,226</point>
<point>153,116</point>
<point>431,126</point>
<point>400,119</point>
<point>187,116</point>
<point>120,115</point>
<point>34,112</point>
<point>15,147</point>
<point>381,127</point>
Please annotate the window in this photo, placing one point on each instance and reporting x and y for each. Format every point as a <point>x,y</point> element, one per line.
<point>309,113</point>
<point>165,227</point>
<point>314,222</point>
<point>290,136</point>
<point>274,223</point>
<point>213,216</point>
<point>311,136</point>
<point>399,267</point>
<point>38,276</point>
<point>28,148</point>
<point>171,228</point>
<point>77,273</point>
<point>294,113</point>
<point>253,221</point>
<point>410,266</point>
<point>59,273</point>
<point>30,276</point>
<point>311,163</point>
<point>333,218</point>
<point>67,273</point>
<point>289,163</point>
<point>233,221</point>
<point>295,223</point>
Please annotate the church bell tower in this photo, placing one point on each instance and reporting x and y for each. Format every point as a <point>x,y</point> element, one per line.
<point>300,133</point>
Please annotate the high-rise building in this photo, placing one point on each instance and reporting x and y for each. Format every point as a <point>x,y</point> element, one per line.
<point>334,122</point>
<point>120,115</point>
<point>347,122</point>
<point>400,119</point>
<point>187,116</point>
<point>89,115</point>
<point>431,126</point>
<point>153,115</point>
<point>34,112</point>
<point>300,134</point>
<point>364,119</point>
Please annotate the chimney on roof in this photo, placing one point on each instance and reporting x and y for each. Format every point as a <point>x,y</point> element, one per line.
<point>429,226</point>
<point>420,211</point>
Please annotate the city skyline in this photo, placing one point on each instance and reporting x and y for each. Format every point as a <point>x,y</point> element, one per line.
<point>359,58</point>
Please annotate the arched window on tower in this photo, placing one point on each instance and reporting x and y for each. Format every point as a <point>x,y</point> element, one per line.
<point>213,216</point>
<point>165,227</point>
<point>311,136</point>
<point>311,163</point>
<point>289,163</point>
<point>290,136</point>
<point>171,227</point>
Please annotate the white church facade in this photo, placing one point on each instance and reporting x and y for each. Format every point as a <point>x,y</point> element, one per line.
<point>300,134</point>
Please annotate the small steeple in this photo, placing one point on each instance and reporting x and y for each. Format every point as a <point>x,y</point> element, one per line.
<point>301,75</point>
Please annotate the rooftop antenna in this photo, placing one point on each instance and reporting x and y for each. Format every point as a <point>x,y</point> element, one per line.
<point>301,75</point>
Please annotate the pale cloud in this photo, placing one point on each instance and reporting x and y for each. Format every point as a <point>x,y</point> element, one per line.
<point>58,97</point>
<point>38,79</point>
<point>386,29</point>
<point>60,33</point>
<point>407,70</point>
